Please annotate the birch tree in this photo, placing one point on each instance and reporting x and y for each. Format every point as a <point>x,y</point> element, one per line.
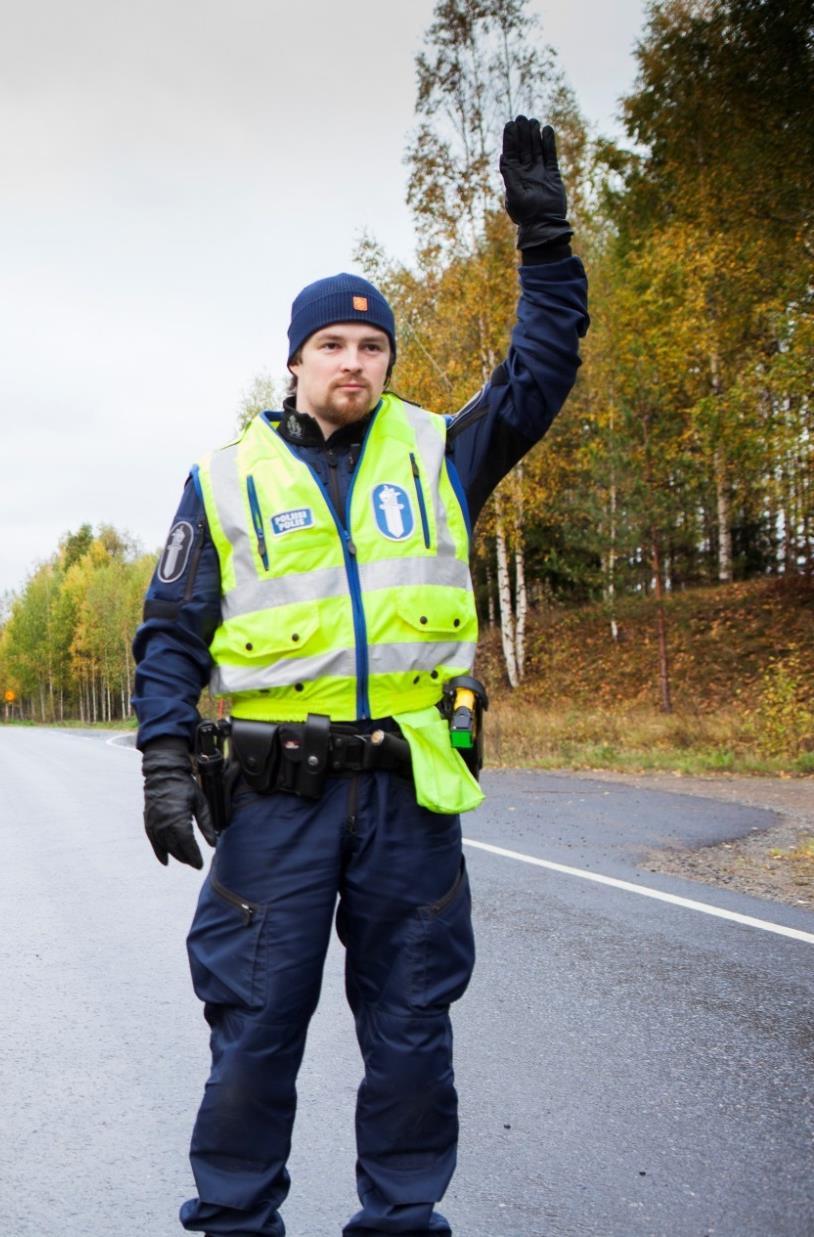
<point>722,107</point>
<point>483,62</point>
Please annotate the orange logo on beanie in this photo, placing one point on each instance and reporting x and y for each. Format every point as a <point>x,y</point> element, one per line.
<point>360,303</point>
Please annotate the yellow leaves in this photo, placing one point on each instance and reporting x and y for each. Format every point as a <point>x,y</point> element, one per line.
<point>784,715</point>
<point>455,318</point>
<point>67,624</point>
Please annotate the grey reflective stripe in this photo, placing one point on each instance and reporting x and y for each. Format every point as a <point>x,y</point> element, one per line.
<point>383,659</point>
<point>432,447</point>
<point>340,663</point>
<point>314,586</point>
<point>393,572</point>
<point>227,489</point>
<point>419,655</point>
<point>307,586</point>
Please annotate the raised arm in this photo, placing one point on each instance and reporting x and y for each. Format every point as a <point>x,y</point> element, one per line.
<point>517,405</point>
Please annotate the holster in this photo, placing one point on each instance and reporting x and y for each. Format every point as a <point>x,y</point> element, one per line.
<point>215,774</point>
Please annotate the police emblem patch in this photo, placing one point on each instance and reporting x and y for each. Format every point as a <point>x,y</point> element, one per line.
<point>290,521</point>
<point>393,511</point>
<point>176,552</point>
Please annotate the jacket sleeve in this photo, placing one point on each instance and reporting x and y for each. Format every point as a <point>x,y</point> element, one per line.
<point>517,405</point>
<point>181,614</point>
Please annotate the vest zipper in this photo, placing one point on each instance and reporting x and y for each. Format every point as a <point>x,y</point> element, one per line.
<point>352,571</point>
<point>360,627</point>
<point>420,496</point>
<point>362,662</point>
<point>257,520</point>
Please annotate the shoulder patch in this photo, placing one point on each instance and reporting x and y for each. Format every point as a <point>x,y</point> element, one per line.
<point>176,552</point>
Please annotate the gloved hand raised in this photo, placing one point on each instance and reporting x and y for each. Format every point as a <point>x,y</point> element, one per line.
<point>171,798</point>
<point>535,194</point>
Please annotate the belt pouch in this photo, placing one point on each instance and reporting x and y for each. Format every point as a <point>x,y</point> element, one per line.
<point>316,743</point>
<point>255,746</point>
<point>304,750</point>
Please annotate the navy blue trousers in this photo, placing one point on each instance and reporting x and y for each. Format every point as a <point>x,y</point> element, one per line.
<point>257,947</point>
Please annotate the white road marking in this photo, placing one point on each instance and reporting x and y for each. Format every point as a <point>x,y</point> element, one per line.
<point>113,741</point>
<point>779,928</point>
<point>674,899</point>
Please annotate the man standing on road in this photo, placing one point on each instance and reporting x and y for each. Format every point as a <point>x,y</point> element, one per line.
<point>317,574</point>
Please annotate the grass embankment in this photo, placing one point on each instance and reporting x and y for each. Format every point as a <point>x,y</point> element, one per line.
<point>742,677</point>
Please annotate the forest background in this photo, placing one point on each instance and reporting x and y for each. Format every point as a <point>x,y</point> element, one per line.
<point>644,577</point>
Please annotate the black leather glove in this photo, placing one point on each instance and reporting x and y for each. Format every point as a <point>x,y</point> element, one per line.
<point>171,798</point>
<point>535,194</point>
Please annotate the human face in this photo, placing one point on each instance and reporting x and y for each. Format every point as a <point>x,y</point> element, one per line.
<point>341,373</point>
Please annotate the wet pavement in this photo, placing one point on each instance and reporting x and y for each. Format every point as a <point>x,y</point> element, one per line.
<point>627,1067</point>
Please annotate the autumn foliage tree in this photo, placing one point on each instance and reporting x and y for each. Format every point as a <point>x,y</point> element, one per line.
<point>695,400</point>
<point>65,645</point>
<point>483,62</point>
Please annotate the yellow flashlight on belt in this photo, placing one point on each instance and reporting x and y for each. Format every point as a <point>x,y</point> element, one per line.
<point>463,723</point>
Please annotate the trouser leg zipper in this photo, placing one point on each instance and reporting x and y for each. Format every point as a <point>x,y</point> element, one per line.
<point>248,909</point>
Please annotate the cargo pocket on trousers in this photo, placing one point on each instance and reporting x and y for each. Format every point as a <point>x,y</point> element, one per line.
<point>224,946</point>
<point>442,950</point>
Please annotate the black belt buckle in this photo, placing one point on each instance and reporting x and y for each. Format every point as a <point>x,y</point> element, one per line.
<point>348,752</point>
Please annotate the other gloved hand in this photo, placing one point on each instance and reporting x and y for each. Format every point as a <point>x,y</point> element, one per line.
<point>171,798</point>
<point>535,194</point>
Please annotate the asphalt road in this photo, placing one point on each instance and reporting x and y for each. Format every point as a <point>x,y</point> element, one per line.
<point>628,1066</point>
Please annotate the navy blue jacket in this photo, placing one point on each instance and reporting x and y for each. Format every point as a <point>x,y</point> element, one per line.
<point>484,441</point>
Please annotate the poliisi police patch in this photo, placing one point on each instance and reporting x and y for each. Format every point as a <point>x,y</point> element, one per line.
<point>393,511</point>
<point>176,552</point>
<point>290,521</point>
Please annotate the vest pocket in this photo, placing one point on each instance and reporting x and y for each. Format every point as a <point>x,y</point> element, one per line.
<point>448,613</point>
<point>276,636</point>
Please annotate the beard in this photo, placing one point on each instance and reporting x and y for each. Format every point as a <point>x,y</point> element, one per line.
<point>343,406</point>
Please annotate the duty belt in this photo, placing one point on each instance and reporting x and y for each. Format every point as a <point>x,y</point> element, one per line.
<point>298,756</point>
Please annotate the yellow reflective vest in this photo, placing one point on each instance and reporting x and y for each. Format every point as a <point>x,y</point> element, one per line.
<point>366,620</point>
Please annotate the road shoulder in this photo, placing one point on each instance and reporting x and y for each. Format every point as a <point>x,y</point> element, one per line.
<point>749,864</point>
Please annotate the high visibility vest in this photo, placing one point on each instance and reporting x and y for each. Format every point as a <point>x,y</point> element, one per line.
<point>359,621</point>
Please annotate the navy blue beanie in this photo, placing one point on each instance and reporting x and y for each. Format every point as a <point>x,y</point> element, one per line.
<point>339,298</point>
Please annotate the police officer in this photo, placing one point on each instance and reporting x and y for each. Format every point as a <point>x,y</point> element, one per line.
<point>317,573</point>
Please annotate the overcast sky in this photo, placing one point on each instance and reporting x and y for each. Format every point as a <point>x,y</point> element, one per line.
<point>172,172</point>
